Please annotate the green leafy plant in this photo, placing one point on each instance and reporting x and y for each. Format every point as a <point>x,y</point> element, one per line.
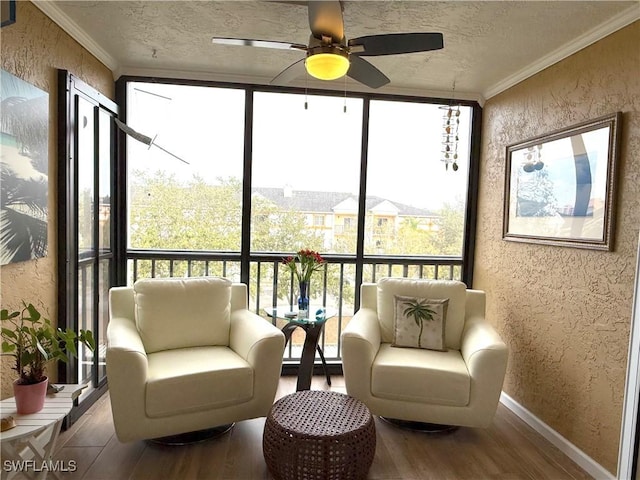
<point>420,313</point>
<point>33,342</point>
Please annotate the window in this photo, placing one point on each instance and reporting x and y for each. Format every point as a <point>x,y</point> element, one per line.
<point>292,180</point>
<point>303,170</point>
<point>407,182</point>
<point>349,224</point>
<point>174,205</point>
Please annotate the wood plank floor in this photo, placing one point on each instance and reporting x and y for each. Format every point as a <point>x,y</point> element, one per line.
<point>509,449</point>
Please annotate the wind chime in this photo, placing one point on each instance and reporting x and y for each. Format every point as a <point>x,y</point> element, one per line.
<point>450,124</point>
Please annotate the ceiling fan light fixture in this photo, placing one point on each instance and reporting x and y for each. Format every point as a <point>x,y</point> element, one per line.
<point>328,64</point>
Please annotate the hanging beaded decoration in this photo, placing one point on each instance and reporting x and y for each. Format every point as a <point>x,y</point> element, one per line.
<point>450,124</point>
<point>534,159</point>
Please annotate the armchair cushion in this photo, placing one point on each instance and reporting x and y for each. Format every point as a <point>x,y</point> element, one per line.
<point>425,376</point>
<point>197,378</point>
<point>419,322</point>
<point>180,313</point>
<point>455,291</point>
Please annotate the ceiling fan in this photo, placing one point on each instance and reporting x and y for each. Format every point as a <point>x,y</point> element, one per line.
<point>330,55</point>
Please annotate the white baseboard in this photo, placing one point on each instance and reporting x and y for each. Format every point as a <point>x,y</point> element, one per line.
<point>587,463</point>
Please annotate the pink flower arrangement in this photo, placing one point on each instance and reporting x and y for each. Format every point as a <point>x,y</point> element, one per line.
<point>304,263</point>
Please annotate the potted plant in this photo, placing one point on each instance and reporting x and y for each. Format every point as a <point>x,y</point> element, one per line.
<point>303,265</point>
<point>33,342</point>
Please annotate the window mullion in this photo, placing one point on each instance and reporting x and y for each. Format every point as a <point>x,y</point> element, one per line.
<point>362,200</point>
<point>245,243</point>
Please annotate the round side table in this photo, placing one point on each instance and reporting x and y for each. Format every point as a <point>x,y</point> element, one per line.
<point>313,434</point>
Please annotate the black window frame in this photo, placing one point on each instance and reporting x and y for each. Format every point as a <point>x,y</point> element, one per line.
<point>245,253</point>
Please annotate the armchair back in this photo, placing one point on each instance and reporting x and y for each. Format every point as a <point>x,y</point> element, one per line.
<point>175,313</point>
<point>379,297</point>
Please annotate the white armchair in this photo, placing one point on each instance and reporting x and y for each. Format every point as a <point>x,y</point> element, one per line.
<point>458,386</point>
<point>186,355</point>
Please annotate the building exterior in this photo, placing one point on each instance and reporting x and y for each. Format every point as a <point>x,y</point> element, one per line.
<point>335,214</point>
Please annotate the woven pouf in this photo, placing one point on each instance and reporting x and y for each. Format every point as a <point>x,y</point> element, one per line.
<point>315,434</point>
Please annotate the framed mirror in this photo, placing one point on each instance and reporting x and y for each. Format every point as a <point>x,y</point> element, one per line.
<point>7,12</point>
<point>560,187</point>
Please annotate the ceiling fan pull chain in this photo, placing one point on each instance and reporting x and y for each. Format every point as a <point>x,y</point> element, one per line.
<point>306,84</point>
<point>344,108</point>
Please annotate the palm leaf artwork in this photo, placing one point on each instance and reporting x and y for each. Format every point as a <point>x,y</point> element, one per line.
<point>420,311</point>
<point>24,126</point>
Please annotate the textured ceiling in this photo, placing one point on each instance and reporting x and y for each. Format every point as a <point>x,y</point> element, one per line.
<point>487,44</point>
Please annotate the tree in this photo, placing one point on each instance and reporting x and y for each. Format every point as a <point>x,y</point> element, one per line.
<point>166,214</point>
<point>414,239</point>
<point>449,236</point>
<point>276,230</point>
<point>192,215</point>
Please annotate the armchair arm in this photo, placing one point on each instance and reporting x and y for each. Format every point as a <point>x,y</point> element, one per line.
<point>127,370</point>
<point>254,338</point>
<point>360,344</point>
<point>261,344</point>
<point>486,355</point>
<point>480,340</point>
<point>125,352</point>
<point>364,327</point>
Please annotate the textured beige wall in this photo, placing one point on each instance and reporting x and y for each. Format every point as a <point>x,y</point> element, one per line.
<point>564,312</point>
<point>32,49</point>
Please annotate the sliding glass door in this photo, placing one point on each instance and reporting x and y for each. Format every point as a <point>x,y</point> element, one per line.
<point>86,231</point>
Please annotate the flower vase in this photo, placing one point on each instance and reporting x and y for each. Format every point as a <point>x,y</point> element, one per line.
<point>303,300</point>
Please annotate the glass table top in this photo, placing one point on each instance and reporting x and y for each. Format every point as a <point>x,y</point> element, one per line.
<point>317,314</point>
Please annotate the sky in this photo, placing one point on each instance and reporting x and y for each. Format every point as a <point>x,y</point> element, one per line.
<point>312,148</point>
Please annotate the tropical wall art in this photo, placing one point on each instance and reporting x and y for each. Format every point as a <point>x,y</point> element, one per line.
<point>24,149</point>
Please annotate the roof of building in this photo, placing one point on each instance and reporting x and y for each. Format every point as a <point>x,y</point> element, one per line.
<point>326,202</point>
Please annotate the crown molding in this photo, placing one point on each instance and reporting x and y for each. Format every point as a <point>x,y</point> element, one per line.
<point>612,25</point>
<point>615,23</point>
<point>79,35</point>
<point>352,86</point>
<point>85,40</point>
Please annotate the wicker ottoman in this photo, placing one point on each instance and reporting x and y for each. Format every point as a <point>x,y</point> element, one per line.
<point>315,434</point>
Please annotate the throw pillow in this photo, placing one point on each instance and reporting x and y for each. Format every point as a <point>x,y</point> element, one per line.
<point>419,322</point>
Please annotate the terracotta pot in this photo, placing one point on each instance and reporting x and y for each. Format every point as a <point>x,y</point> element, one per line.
<point>30,398</point>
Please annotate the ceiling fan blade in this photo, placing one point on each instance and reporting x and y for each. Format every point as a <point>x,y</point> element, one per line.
<point>395,43</point>
<point>325,19</point>
<point>141,137</point>
<point>293,71</point>
<point>258,43</point>
<point>366,73</point>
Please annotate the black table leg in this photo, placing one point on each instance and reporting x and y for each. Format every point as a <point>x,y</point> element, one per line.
<point>305,370</point>
<point>307,361</point>
<point>324,365</point>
